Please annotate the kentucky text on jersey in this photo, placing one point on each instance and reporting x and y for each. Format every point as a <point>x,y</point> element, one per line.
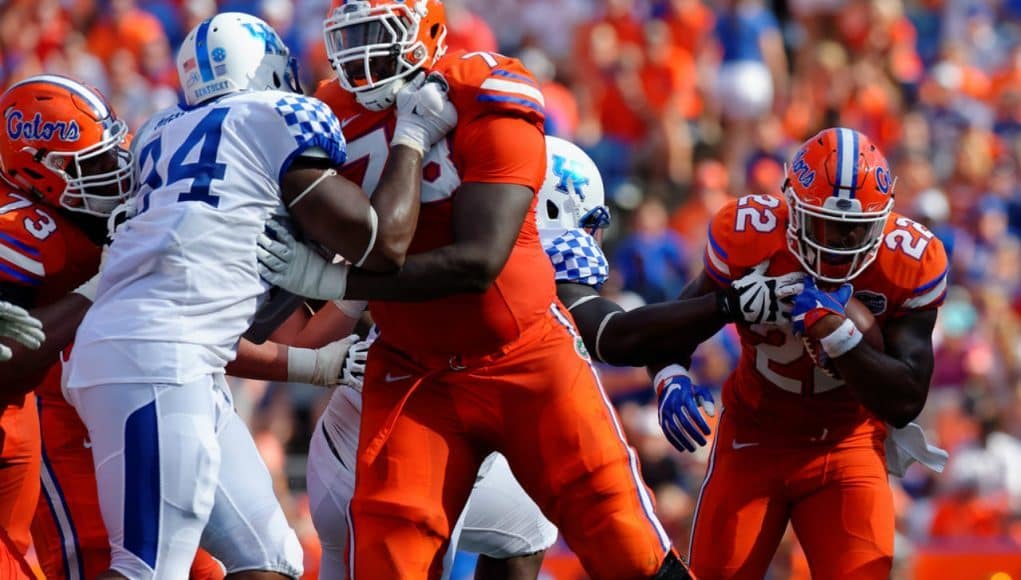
<point>37,130</point>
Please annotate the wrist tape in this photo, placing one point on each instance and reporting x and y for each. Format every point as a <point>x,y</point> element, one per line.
<point>841,340</point>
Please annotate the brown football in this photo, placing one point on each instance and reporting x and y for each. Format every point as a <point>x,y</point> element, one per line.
<point>866,323</point>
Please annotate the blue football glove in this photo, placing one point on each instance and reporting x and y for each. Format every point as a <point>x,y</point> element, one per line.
<point>813,304</point>
<point>680,401</point>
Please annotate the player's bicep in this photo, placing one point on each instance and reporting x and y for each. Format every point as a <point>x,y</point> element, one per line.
<point>487,220</point>
<point>331,210</point>
<point>592,317</point>
<point>908,338</point>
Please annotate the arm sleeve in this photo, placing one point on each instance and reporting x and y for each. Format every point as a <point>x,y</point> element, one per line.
<point>501,149</point>
<point>576,258</point>
<point>296,126</point>
<point>930,287</point>
<point>743,233</point>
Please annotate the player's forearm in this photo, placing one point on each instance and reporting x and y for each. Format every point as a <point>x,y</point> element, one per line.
<point>396,200</point>
<point>266,361</point>
<point>60,322</point>
<point>891,389</point>
<point>701,288</point>
<point>453,269</point>
<point>660,332</point>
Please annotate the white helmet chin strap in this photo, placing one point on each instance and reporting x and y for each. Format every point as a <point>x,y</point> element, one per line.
<point>381,97</point>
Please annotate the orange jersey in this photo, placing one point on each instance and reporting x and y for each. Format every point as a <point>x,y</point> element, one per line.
<point>43,256</point>
<point>775,385</point>
<point>498,139</point>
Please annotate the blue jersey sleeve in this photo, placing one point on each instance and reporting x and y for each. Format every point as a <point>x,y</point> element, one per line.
<point>576,257</point>
<point>313,126</point>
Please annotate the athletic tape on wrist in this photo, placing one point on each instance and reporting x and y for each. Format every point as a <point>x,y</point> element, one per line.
<point>841,340</point>
<point>301,364</point>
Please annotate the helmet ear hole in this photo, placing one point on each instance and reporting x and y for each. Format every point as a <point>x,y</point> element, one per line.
<point>552,211</point>
<point>434,30</point>
<point>276,80</point>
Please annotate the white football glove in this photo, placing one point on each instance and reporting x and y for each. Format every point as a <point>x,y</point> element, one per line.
<point>297,268</point>
<point>424,113</point>
<point>354,366</point>
<point>16,323</point>
<point>766,299</point>
<point>319,366</point>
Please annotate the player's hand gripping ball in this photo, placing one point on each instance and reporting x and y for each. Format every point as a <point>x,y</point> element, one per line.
<point>866,323</point>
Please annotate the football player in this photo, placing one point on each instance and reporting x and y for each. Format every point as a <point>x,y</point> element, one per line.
<point>62,186</point>
<point>65,167</point>
<point>475,353</point>
<point>797,443</point>
<point>175,464</point>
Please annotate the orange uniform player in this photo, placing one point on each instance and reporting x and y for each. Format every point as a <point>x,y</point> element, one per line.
<point>63,155</point>
<point>475,352</point>
<point>44,255</point>
<point>793,443</point>
<point>515,301</point>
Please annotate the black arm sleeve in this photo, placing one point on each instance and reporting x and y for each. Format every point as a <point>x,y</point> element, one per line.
<point>591,313</point>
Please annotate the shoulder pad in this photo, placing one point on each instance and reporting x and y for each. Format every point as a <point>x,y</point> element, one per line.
<point>486,83</point>
<point>914,261</point>
<point>31,243</point>
<point>743,233</point>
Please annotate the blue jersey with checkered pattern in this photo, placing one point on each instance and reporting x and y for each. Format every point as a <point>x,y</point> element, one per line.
<point>183,271</point>
<point>576,257</point>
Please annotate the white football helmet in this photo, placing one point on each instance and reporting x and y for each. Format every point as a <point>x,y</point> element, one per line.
<point>571,196</point>
<point>233,52</point>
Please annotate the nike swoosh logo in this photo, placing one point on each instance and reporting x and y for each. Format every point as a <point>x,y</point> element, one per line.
<point>87,444</point>
<point>393,379</point>
<point>737,445</point>
<point>349,120</point>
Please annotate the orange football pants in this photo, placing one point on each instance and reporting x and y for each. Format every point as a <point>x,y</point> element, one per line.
<point>68,531</point>
<point>539,402</point>
<point>19,470</point>
<point>836,496</point>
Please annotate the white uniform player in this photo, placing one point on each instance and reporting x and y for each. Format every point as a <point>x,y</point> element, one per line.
<point>499,520</point>
<point>176,465</point>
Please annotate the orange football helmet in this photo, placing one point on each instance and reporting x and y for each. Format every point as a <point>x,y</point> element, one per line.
<point>840,192</point>
<point>64,145</point>
<point>374,44</point>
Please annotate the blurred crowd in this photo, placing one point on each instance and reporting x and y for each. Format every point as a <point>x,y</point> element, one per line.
<point>684,104</point>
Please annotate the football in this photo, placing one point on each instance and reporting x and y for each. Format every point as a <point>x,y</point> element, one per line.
<point>866,323</point>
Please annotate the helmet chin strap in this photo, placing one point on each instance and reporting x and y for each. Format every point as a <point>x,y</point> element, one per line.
<point>381,97</point>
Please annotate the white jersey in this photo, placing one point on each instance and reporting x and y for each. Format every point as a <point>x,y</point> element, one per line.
<point>180,283</point>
